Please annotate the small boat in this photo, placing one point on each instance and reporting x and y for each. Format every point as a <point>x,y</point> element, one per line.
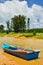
<point>27,54</point>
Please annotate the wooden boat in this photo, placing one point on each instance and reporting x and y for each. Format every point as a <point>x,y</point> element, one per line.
<point>21,52</point>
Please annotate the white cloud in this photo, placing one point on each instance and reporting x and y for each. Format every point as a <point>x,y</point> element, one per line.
<point>15,7</point>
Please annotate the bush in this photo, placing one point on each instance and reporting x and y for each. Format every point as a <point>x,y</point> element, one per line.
<point>28,34</point>
<point>34,33</point>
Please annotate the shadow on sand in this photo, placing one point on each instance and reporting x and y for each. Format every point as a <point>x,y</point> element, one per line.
<point>19,56</point>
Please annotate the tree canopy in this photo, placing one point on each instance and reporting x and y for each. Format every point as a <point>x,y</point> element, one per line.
<point>8,25</point>
<point>1,28</point>
<point>28,23</point>
<point>18,23</point>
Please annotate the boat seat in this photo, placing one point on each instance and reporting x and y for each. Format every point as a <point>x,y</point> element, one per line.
<point>13,48</point>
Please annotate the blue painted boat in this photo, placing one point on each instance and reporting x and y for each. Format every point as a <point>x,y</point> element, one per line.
<point>27,54</point>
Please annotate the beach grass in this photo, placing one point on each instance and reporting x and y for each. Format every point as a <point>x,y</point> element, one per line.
<point>2,34</point>
<point>20,34</point>
<point>39,35</point>
<point>27,34</point>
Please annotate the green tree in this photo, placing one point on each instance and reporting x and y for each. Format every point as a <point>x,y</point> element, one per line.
<point>8,26</point>
<point>1,28</point>
<point>18,23</point>
<point>28,22</point>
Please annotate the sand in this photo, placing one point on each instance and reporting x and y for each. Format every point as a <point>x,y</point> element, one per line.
<point>33,43</point>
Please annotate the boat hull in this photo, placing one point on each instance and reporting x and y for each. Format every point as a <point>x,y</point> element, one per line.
<point>27,56</point>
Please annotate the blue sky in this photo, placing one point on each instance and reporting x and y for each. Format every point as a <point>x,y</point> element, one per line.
<point>33,10</point>
<point>30,2</point>
<point>38,2</point>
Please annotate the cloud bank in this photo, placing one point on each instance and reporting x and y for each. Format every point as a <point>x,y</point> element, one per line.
<point>15,7</point>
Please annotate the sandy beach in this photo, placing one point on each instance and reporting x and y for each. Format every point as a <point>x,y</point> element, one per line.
<point>33,43</point>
